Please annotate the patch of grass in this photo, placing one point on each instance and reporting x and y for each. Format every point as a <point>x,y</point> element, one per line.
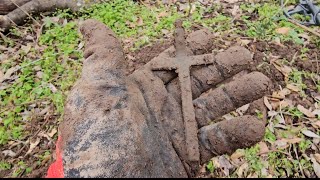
<point>144,24</point>
<point>295,113</point>
<point>296,77</point>
<point>40,82</point>
<point>219,22</point>
<point>304,144</point>
<point>4,165</point>
<point>129,19</point>
<point>21,168</point>
<point>254,161</point>
<point>281,166</point>
<point>269,136</point>
<point>269,18</point>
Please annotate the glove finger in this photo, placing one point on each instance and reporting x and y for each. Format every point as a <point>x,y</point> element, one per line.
<point>230,96</point>
<point>230,135</point>
<point>103,52</point>
<point>226,64</point>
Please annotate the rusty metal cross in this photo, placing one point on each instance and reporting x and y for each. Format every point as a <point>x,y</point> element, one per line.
<point>182,64</point>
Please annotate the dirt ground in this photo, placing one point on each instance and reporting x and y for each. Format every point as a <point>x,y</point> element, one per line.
<point>268,58</point>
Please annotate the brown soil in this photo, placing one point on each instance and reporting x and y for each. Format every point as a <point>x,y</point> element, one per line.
<point>140,57</point>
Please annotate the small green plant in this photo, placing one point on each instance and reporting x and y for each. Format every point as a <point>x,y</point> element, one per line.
<point>259,114</point>
<point>21,168</point>
<point>251,156</point>
<point>304,145</point>
<point>4,165</point>
<point>295,112</point>
<point>269,136</point>
<point>210,167</point>
<point>297,77</point>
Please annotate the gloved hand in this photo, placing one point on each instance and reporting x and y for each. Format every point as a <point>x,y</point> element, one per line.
<point>132,126</point>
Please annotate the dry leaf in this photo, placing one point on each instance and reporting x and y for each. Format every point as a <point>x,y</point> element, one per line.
<point>242,169</point>
<point>294,140</point>
<point>281,94</point>
<point>305,111</point>
<point>316,112</point>
<point>9,153</point>
<point>283,30</point>
<point>285,70</point>
<point>263,148</point>
<point>44,111</point>
<point>33,145</point>
<point>274,103</point>
<point>53,132</point>
<point>52,88</point>
<point>42,134</point>
<point>236,155</point>
<point>9,73</point>
<point>231,1</point>
<point>317,157</point>
<point>26,48</point>
<point>235,10</point>
<point>310,134</point>
<point>282,143</point>
<point>162,14</point>
<point>241,110</point>
<point>39,74</point>
<point>316,166</point>
<point>266,102</point>
<point>272,113</point>
<point>222,163</point>
<point>245,42</point>
<point>317,124</point>
<point>285,103</point>
<point>81,45</point>
<point>37,68</point>
<point>254,175</point>
<point>140,21</point>
<point>293,87</point>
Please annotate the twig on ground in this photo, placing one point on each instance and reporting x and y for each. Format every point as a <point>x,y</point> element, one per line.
<point>304,27</point>
<point>25,12</point>
<point>317,64</point>
<point>296,153</point>
<point>190,7</point>
<point>270,151</point>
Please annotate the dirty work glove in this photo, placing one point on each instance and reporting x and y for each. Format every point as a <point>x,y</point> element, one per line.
<point>132,126</point>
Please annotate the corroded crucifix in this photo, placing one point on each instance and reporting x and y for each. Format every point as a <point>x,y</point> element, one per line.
<point>182,64</point>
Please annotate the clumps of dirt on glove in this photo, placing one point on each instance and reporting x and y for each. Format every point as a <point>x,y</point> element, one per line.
<point>91,85</point>
<point>230,135</point>
<point>140,57</point>
<point>227,98</point>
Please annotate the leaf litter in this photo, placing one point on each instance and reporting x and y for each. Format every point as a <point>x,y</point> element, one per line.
<point>291,141</point>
